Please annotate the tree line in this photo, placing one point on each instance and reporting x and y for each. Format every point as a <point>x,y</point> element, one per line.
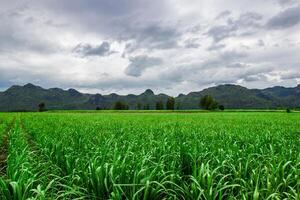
<point>207,102</point>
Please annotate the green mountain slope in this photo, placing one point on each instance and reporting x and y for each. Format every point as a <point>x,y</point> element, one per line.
<point>27,97</point>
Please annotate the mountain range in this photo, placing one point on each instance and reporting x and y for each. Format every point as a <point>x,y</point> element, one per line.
<point>29,96</point>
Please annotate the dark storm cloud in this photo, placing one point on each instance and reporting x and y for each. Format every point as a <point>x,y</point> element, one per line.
<point>285,19</point>
<point>89,50</point>
<point>139,64</point>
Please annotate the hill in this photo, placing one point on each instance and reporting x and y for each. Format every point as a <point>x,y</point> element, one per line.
<point>27,97</point>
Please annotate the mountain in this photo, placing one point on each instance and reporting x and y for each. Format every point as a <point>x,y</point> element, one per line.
<point>27,97</point>
<point>235,96</point>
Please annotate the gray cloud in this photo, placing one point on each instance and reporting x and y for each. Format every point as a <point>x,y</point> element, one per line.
<point>232,55</point>
<point>216,46</point>
<point>16,34</point>
<point>180,49</point>
<point>89,50</point>
<point>221,32</point>
<point>285,19</point>
<point>151,36</point>
<point>192,43</point>
<point>223,15</point>
<point>261,43</point>
<point>286,2</point>
<point>255,77</point>
<point>140,63</point>
<point>290,75</point>
<point>121,20</point>
<point>244,21</point>
<point>237,65</point>
<point>249,19</point>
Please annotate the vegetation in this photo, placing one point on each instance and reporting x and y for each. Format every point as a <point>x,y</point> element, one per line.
<point>120,106</point>
<point>42,107</point>
<point>221,107</point>
<point>147,107</point>
<point>26,98</point>
<point>208,103</point>
<point>170,105</point>
<point>151,156</point>
<point>98,108</point>
<point>159,105</point>
<point>139,106</point>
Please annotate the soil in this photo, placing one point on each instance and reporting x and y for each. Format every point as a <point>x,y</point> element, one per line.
<point>4,148</point>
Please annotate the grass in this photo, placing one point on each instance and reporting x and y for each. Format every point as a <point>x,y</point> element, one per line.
<point>168,111</point>
<point>157,155</point>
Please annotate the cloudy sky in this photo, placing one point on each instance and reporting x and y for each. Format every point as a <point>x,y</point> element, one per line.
<point>170,46</point>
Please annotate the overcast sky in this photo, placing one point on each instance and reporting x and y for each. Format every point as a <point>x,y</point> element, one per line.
<point>170,46</point>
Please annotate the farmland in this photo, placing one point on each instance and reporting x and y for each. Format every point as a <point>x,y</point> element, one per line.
<point>103,155</point>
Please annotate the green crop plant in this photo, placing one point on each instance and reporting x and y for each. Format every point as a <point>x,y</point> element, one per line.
<point>154,155</point>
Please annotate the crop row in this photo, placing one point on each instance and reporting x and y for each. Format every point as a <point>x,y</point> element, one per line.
<point>152,156</point>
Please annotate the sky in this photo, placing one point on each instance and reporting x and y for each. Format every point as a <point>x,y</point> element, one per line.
<point>170,46</point>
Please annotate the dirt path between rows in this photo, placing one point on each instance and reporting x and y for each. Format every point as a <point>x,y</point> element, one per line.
<point>30,141</point>
<point>4,148</point>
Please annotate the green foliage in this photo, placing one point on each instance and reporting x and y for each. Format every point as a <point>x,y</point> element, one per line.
<point>139,106</point>
<point>147,106</point>
<point>159,105</point>
<point>26,98</point>
<point>98,108</point>
<point>208,103</point>
<point>120,106</point>
<point>152,156</point>
<point>170,105</point>
<point>221,107</point>
<point>42,107</point>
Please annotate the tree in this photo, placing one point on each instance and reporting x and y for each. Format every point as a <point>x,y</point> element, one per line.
<point>159,105</point>
<point>208,103</point>
<point>221,107</point>
<point>288,110</point>
<point>120,106</point>
<point>178,104</point>
<point>42,107</point>
<point>170,105</point>
<point>98,108</point>
<point>147,107</point>
<point>139,106</point>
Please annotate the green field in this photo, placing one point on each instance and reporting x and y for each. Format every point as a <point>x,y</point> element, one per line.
<point>106,155</point>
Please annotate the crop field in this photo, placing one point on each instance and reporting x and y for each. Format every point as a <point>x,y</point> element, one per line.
<point>230,155</point>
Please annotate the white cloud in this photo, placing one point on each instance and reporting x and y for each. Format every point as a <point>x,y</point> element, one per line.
<point>128,46</point>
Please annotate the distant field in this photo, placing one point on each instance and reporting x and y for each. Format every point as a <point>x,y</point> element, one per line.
<point>168,111</point>
<point>150,155</point>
